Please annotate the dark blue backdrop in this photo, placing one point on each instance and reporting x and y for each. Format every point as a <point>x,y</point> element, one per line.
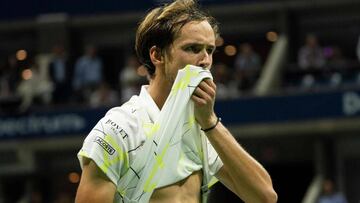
<point>20,9</point>
<point>242,111</point>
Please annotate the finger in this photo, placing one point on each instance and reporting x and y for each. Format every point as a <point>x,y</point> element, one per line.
<point>210,83</point>
<point>202,94</point>
<point>198,101</point>
<point>208,89</point>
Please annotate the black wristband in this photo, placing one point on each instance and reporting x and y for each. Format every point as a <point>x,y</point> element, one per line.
<point>212,127</point>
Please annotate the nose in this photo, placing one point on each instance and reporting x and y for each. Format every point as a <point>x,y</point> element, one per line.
<point>205,60</point>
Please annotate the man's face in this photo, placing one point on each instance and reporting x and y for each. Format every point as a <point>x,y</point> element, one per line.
<point>194,45</point>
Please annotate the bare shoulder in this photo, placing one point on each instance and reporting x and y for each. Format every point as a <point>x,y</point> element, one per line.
<point>94,185</point>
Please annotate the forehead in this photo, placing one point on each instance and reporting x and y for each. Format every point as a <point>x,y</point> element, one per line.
<point>196,32</point>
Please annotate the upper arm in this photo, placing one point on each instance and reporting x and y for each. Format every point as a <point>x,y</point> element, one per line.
<point>94,186</point>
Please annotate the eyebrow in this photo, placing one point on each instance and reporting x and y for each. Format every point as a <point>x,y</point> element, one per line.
<point>199,44</point>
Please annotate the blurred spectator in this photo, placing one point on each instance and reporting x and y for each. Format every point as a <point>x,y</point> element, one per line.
<point>60,75</point>
<point>247,66</point>
<point>33,88</point>
<point>88,74</point>
<point>225,87</point>
<point>311,54</point>
<point>9,77</point>
<point>336,67</point>
<point>330,195</point>
<point>104,96</point>
<point>307,81</point>
<point>335,79</point>
<point>130,78</point>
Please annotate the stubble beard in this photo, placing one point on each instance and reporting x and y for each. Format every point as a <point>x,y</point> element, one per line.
<point>170,76</point>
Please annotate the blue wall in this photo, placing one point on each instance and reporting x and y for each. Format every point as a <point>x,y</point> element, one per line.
<point>74,121</point>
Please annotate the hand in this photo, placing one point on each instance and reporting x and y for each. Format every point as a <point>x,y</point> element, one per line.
<point>204,99</point>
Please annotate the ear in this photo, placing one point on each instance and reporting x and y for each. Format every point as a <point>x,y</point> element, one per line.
<point>156,56</point>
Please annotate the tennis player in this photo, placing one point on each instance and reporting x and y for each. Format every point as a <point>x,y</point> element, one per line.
<point>169,38</point>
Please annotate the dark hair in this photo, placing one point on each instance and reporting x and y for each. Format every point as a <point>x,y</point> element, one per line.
<point>161,26</point>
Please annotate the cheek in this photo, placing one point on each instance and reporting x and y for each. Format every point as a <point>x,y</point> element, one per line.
<point>181,60</point>
<point>186,59</point>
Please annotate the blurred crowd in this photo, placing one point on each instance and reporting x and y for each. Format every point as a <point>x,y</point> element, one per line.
<point>23,83</point>
<point>64,81</point>
<point>322,67</point>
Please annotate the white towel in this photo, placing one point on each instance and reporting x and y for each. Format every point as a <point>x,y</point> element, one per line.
<point>162,150</point>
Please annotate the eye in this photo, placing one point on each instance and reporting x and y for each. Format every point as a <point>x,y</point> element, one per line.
<point>193,48</point>
<point>210,50</point>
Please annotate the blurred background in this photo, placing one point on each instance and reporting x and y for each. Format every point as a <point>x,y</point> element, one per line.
<point>287,72</point>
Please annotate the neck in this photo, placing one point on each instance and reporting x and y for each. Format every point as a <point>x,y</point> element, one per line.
<point>159,89</point>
